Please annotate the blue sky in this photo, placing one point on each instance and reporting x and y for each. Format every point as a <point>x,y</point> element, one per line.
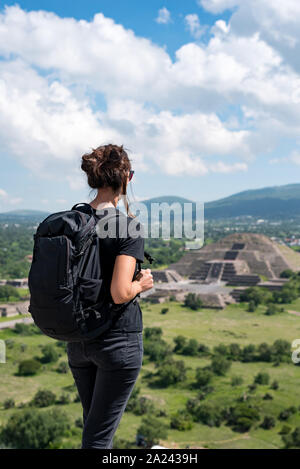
<point>208,104</point>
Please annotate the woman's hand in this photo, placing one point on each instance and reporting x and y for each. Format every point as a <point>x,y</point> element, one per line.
<point>122,287</point>
<point>145,279</point>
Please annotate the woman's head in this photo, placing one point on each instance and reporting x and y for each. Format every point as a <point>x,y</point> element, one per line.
<point>107,166</point>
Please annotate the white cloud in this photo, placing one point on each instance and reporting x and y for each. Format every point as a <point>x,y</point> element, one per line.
<point>276,20</point>
<point>7,199</point>
<point>218,6</point>
<point>164,16</point>
<point>293,157</point>
<point>166,112</point>
<point>193,24</point>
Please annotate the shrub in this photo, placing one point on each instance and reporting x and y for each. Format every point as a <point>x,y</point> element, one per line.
<point>9,343</point>
<point>151,430</point>
<point>28,367</point>
<point>209,414</point>
<point>203,350</point>
<point>268,423</point>
<point>33,429</point>
<point>273,309</point>
<point>242,417</point>
<point>180,342</point>
<point>275,385</point>
<point>191,348</point>
<point>251,306</point>
<point>181,420</point>
<point>164,310</point>
<point>143,405</point>
<point>236,380</point>
<point>79,423</point>
<point>203,376</point>
<point>262,378</point>
<point>193,301</point>
<point>50,354</point>
<point>43,398</point>
<point>64,399</point>
<point>285,430</point>
<point>287,273</point>
<point>8,404</point>
<point>292,440</point>
<point>63,367</point>
<point>157,349</point>
<point>171,371</point>
<point>26,329</point>
<point>220,365</point>
<point>286,413</point>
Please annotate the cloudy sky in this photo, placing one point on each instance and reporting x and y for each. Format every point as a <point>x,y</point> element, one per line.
<point>204,94</point>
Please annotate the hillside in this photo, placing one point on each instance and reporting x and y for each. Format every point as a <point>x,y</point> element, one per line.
<point>269,202</point>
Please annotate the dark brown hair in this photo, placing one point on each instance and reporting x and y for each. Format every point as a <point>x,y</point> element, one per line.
<point>107,166</point>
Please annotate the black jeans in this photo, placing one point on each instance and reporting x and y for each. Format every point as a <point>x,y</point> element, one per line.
<point>105,371</point>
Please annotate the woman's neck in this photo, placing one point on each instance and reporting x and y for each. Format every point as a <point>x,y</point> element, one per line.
<point>105,198</point>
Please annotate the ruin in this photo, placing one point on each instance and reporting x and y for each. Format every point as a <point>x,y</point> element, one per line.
<point>237,259</point>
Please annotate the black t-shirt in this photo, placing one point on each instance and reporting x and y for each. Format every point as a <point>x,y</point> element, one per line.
<point>125,236</point>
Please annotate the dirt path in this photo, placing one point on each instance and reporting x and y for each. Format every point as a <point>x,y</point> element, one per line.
<point>296,313</point>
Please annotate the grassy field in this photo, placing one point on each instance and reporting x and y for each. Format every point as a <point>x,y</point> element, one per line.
<point>210,327</point>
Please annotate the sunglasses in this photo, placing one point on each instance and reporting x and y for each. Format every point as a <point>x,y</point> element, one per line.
<point>131,173</point>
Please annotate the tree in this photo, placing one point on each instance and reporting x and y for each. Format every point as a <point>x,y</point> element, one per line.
<point>273,309</point>
<point>43,398</point>
<point>164,310</point>
<point>151,430</point>
<point>251,306</point>
<point>8,404</point>
<point>33,429</point>
<point>63,367</point>
<point>171,371</point>
<point>209,414</point>
<point>8,292</point>
<point>152,332</point>
<point>193,301</point>
<point>203,377</point>
<point>28,367</point>
<point>257,295</point>
<point>242,417</point>
<point>180,342</point>
<point>268,422</point>
<point>191,348</point>
<point>292,440</point>
<point>181,420</point>
<point>220,365</point>
<point>50,354</point>
<point>157,349</point>
<point>287,273</point>
<point>262,378</point>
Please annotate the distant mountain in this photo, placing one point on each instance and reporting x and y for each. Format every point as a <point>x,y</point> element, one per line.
<point>23,215</point>
<point>277,202</point>
<point>270,202</point>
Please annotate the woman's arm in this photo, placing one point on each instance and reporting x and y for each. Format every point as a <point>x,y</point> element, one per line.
<point>123,288</point>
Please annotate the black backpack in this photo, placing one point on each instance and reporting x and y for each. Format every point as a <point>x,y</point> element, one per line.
<point>69,300</point>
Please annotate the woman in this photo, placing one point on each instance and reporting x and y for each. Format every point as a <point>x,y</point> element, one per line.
<point>105,369</point>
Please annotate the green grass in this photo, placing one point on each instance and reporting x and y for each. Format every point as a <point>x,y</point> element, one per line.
<point>12,318</point>
<point>210,327</point>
